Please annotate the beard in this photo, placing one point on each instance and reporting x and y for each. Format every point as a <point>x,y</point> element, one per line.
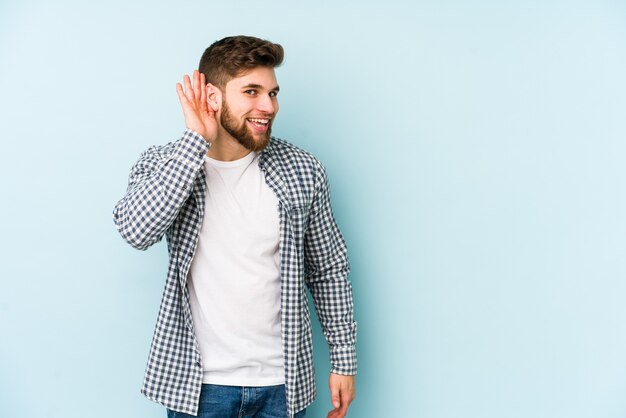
<point>242,132</point>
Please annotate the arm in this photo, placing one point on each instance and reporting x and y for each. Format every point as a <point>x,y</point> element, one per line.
<point>161,181</point>
<point>326,275</point>
<point>327,268</point>
<point>158,185</point>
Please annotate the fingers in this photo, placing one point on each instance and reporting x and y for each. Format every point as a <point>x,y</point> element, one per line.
<point>203,104</point>
<point>181,94</point>
<point>340,401</point>
<point>341,392</point>
<point>340,410</point>
<point>188,89</point>
<point>334,396</point>
<point>196,83</point>
<point>335,413</point>
<point>195,107</point>
<point>193,91</point>
<point>345,402</point>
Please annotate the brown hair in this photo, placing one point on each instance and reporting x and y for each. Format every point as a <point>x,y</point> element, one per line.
<point>234,55</point>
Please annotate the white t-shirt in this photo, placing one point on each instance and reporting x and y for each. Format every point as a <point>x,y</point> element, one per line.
<point>234,278</point>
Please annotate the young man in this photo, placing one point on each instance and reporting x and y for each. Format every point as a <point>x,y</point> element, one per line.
<point>248,224</point>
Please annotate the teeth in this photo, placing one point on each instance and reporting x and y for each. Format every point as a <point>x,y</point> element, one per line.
<point>263,121</point>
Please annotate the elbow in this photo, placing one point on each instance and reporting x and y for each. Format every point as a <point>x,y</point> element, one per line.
<point>135,235</point>
<point>137,243</point>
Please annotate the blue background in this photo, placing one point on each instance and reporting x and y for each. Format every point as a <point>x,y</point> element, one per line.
<point>476,157</point>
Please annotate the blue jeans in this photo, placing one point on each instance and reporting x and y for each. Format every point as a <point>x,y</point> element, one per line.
<point>217,401</point>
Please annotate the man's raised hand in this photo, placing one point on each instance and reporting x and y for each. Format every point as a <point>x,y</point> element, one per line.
<point>198,115</point>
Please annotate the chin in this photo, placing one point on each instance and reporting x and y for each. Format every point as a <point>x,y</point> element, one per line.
<point>254,143</point>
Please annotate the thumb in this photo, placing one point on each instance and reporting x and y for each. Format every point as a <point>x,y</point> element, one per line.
<point>335,398</point>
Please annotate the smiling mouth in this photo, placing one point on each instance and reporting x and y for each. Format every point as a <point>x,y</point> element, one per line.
<point>259,121</point>
<point>260,124</point>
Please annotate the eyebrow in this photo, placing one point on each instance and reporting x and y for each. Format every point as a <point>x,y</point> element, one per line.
<point>258,86</point>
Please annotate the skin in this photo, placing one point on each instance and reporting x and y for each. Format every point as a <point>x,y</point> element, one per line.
<point>207,110</point>
<point>211,111</point>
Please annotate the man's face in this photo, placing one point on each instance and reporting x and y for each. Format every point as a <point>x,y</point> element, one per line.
<point>249,105</point>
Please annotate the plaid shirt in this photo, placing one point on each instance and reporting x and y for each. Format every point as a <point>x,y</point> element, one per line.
<point>166,195</point>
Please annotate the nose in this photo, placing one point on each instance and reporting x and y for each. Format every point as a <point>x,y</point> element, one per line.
<point>267,104</point>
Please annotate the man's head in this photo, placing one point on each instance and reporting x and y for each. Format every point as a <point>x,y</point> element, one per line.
<point>242,87</point>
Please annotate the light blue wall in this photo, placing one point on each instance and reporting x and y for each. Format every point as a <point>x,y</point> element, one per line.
<point>476,152</point>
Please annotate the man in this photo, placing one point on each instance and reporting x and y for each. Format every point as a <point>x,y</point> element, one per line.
<point>248,223</point>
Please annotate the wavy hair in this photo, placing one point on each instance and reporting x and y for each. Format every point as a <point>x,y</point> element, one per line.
<point>233,56</point>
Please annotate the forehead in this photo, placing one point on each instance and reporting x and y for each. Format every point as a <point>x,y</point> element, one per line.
<point>262,76</point>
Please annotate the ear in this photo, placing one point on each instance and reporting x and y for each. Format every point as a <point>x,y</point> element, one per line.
<point>213,97</point>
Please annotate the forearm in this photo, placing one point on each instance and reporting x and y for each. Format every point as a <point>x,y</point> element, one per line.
<point>159,184</point>
<point>335,312</point>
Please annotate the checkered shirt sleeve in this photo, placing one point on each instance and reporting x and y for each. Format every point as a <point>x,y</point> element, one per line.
<point>326,271</point>
<point>158,185</point>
